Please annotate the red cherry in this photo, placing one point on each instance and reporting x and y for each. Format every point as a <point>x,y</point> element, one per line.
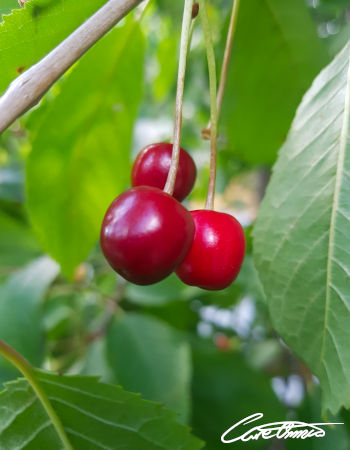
<point>152,165</point>
<point>217,251</point>
<point>145,234</point>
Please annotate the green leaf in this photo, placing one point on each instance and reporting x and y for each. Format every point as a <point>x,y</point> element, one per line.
<point>29,33</point>
<point>6,6</point>
<point>178,314</point>
<point>60,317</point>
<point>164,81</point>
<point>94,415</point>
<point>21,317</point>
<point>95,362</point>
<point>17,243</point>
<point>301,239</point>
<point>150,357</point>
<point>80,156</point>
<point>11,184</point>
<point>276,55</point>
<point>160,293</point>
<point>225,390</point>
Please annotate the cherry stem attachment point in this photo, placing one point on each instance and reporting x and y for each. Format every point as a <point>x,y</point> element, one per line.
<point>184,45</point>
<point>26,369</point>
<point>213,99</point>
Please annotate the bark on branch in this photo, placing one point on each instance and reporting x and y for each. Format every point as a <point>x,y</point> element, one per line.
<point>27,89</point>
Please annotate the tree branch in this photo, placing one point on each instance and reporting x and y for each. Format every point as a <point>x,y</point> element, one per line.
<point>26,90</point>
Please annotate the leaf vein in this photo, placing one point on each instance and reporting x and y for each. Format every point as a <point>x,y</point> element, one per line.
<point>93,416</point>
<point>340,167</point>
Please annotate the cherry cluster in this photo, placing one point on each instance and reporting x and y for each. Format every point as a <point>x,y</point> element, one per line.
<point>147,234</point>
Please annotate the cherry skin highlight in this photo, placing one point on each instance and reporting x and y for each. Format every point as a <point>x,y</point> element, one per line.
<point>152,165</point>
<point>145,234</point>
<point>217,252</point>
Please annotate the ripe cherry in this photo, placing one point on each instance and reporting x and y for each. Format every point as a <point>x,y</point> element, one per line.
<point>152,165</point>
<point>216,255</point>
<point>145,234</point>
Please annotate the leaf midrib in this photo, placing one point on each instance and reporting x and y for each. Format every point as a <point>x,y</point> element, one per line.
<point>339,175</point>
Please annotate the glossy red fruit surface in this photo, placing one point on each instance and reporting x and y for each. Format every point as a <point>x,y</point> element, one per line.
<point>145,234</point>
<point>217,251</point>
<point>152,165</point>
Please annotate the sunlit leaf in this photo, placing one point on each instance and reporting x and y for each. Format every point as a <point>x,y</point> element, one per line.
<point>29,33</point>
<point>80,156</point>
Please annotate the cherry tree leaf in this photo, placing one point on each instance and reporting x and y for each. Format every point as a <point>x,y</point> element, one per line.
<point>95,416</point>
<point>81,149</point>
<point>21,312</point>
<point>7,5</point>
<point>301,238</point>
<point>28,34</point>
<point>150,357</point>
<point>276,55</point>
<point>17,243</point>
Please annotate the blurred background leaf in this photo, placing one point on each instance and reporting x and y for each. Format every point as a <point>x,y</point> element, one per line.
<point>149,357</point>
<point>7,5</point>
<point>160,293</point>
<point>277,44</point>
<point>17,243</point>
<point>29,33</point>
<point>80,156</point>
<point>21,312</point>
<point>222,383</point>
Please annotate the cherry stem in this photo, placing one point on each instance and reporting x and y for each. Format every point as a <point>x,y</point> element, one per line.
<point>213,109</point>
<point>184,45</point>
<point>225,63</point>
<point>27,370</point>
<point>227,55</point>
